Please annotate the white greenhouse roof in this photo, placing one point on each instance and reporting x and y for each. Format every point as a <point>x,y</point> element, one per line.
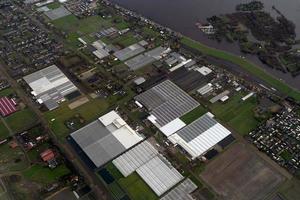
<point>159,174</point>
<point>130,161</point>
<point>200,136</point>
<point>106,138</point>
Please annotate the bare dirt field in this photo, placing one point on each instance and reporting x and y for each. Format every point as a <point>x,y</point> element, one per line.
<point>239,174</point>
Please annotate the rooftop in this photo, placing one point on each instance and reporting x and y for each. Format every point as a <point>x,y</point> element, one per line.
<point>50,86</point>
<point>106,138</point>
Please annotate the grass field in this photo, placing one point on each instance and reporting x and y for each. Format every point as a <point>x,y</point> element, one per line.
<point>45,175</point>
<point>54,5</point>
<point>21,120</point>
<point>4,133</point>
<point>72,24</point>
<point>136,188</point>
<point>193,115</point>
<point>125,40</point>
<point>6,92</point>
<point>89,111</point>
<point>236,113</point>
<point>247,65</point>
<point>11,159</point>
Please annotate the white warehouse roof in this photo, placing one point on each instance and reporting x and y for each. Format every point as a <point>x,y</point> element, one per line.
<point>200,136</point>
<point>50,86</point>
<point>159,174</point>
<point>106,138</point>
<point>130,161</point>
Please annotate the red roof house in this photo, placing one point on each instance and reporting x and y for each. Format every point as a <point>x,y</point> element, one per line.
<point>47,155</point>
<point>7,106</point>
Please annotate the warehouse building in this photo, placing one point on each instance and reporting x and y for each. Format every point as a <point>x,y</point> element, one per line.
<point>200,136</point>
<point>50,86</point>
<point>166,102</point>
<point>106,138</point>
<point>182,191</point>
<point>129,52</point>
<point>130,161</point>
<point>147,58</point>
<point>159,174</point>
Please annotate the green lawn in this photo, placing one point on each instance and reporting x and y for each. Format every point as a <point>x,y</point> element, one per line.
<point>6,92</point>
<point>45,175</point>
<point>125,40</point>
<point>4,133</point>
<point>21,120</point>
<point>247,65</point>
<point>72,24</point>
<point>193,115</point>
<point>136,188</point>
<point>236,113</point>
<point>89,111</point>
<point>54,5</point>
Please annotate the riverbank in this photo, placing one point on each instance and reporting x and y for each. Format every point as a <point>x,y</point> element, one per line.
<point>245,64</point>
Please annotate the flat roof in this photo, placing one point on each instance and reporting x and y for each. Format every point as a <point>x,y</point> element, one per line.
<point>129,52</point>
<point>50,85</point>
<point>106,138</point>
<point>200,136</point>
<point>57,13</point>
<point>130,161</point>
<point>166,102</point>
<point>146,58</point>
<point>159,174</point>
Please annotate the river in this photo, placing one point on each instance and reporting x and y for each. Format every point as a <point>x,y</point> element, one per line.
<point>181,16</point>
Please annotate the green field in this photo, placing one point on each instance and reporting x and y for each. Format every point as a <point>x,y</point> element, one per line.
<point>193,115</point>
<point>136,188</point>
<point>89,111</point>
<point>236,113</point>
<point>247,65</point>
<point>4,133</point>
<point>6,92</point>
<point>125,40</point>
<point>71,24</point>
<point>11,159</point>
<point>45,175</point>
<point>54,5</point>
<point>21,120</point>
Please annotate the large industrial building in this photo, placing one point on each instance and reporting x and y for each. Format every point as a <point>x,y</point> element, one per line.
<point>167,103</point>
<point>152,167</point>
<point>147,58</point>
<point>50,86</point>
<point>106,138</point>
<point>135,158</point>
<point>200,136</point>
<point>129,52</point>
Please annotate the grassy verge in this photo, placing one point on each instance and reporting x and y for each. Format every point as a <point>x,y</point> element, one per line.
<point>247,65</point>
<point>4,133</point>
